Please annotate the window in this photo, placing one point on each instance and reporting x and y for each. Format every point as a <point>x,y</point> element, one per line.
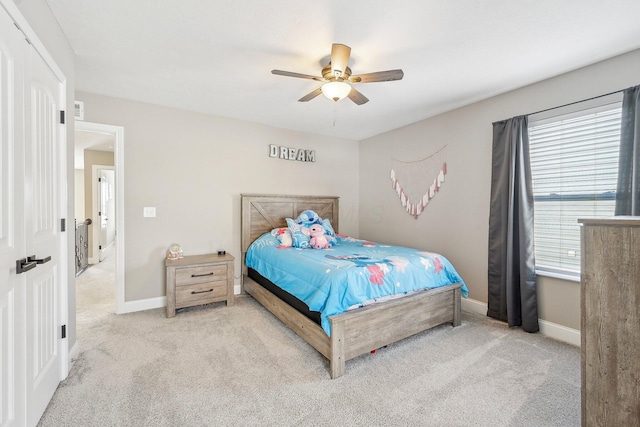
<point>574,168</point>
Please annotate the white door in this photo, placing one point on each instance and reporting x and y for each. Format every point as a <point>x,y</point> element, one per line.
<point>107,211</point>
<point>12,241</point>
<point>43,235</point>
<point>30,194</point>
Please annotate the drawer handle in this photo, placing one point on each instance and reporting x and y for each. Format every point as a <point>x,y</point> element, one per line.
<point>201,292</point>
<point>202,275</point>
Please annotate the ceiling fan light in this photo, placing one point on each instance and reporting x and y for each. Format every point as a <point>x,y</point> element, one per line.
<point>336,90</point>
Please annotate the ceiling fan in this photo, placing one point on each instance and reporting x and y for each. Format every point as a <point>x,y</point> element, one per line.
<point>337,77</point>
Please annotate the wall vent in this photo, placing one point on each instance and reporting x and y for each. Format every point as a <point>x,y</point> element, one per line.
<point>78,111</point>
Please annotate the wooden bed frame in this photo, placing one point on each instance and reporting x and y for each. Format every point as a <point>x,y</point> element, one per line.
<point>355,332</point>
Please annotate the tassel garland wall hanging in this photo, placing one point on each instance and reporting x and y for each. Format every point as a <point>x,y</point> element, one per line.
<point>417,182</point>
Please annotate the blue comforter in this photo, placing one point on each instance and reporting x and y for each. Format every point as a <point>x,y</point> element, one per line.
<point>351,273</point>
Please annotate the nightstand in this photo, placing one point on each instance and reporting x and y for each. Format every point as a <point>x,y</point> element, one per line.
<point>198,279</point>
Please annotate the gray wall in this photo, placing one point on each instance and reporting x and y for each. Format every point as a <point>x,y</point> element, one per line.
<point>193,167</point>
<point>455,222</point>
<point>79,195</point>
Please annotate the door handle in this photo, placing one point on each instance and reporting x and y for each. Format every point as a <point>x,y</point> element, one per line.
<point>24,264</point>
<point>32,258</point>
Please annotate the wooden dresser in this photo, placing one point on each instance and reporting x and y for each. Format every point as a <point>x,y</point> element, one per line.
<point>610,321</point>
<point>198,279</point>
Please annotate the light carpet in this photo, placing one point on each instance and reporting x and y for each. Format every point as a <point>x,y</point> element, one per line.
<point>240,366</point>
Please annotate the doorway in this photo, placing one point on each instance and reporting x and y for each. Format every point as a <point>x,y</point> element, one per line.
<point>115,189</point>
<point>104,227</point>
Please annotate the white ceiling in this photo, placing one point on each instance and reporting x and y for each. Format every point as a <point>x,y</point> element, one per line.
<point>216,56</point>
<point>85,140</point>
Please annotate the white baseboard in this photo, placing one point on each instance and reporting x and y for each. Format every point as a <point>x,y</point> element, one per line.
<point>549,329</point>
<point>474,306</point>
<point>560,333</point>
<point>144,304</point>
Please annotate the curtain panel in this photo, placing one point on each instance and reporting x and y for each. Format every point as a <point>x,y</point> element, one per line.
<point>628,190</point>
<point>512,295</point>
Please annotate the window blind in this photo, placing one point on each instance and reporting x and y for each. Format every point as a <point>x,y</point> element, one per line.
<point>574,168</point>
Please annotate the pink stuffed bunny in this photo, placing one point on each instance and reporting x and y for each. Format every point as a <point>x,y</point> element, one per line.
<point>318,238</point>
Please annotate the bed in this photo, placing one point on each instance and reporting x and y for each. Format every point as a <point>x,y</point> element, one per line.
<point>351,333</point>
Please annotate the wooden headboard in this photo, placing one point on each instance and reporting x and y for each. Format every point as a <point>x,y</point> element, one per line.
<point>264,212</point>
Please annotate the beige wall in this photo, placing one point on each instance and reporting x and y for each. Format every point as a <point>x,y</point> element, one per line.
<point>79,208</point>
<point>455,222</point>
<point>91,158</point>
<point>193,167</point>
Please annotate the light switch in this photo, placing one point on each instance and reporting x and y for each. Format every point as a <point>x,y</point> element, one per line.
<point>149,212</point>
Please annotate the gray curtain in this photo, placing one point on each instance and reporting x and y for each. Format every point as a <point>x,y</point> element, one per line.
<point>628,191</point>
<point>512,277</point>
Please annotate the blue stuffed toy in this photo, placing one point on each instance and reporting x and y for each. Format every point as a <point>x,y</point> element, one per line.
<point>305,221</point>
<point>308,218</point>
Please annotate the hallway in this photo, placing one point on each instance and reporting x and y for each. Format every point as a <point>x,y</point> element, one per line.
<point>95,295</point>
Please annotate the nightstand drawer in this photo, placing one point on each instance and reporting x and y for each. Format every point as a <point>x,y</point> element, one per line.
<point>202,293</point>
<point>198,280</point>
<point>200,274</point>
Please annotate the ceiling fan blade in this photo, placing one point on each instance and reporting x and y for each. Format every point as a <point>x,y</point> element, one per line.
<point>380,76</point>
<point>357,97</point>
<point>310,96</point>
<point>339,59</point>
<point>298,75</point>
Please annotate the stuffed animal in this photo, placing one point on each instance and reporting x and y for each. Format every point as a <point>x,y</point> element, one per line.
<point>318,237</point>
<point>308,218</point>
<point>284,237</point>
